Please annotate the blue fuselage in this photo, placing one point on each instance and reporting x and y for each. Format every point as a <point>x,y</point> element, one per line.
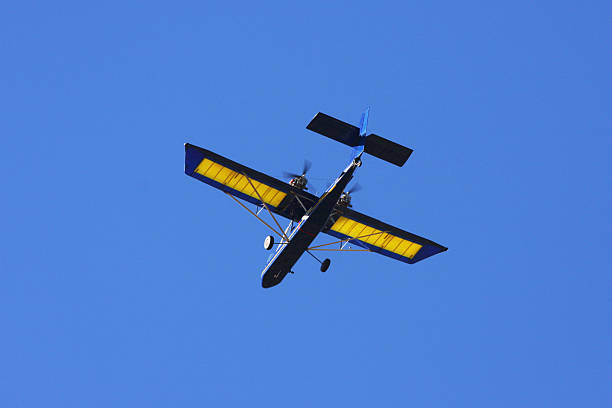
<point>306,231</point>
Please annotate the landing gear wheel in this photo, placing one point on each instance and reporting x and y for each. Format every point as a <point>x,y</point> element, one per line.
<point>269,242</point>
<point>325,264</point>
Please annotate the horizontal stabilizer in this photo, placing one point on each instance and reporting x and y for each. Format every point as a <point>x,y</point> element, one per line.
<point>335,129</point>
<point>351,136</point>
<point>387,150</point>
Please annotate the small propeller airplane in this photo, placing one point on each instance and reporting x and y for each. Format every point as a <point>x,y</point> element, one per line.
<point>330,213</point>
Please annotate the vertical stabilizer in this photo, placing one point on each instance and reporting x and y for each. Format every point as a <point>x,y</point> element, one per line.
<point>363,124</point>
<point>363,130</point>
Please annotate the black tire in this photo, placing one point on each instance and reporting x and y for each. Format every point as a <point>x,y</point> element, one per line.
<point>325,264</point>
<point>269,242</point>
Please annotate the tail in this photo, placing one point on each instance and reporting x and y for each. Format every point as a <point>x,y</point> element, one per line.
<point>357,138</point>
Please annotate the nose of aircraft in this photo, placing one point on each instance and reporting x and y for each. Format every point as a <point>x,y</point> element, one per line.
<point>272,278</point>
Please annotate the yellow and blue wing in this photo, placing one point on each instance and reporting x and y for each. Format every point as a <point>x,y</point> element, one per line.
<point>290,202</point>
<point>377,236</point>
<point>238,180</point>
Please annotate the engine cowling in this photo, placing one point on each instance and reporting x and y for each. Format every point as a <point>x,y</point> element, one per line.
<point>299,182</point>
<point>345,200</point>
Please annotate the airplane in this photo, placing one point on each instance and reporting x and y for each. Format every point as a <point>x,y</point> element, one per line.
<point>331,213</point>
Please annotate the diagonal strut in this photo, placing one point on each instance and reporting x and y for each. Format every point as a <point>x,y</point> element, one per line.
<point>265,205</point>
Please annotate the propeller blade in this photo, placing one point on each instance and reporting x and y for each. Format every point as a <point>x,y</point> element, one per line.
<point>307,166</point>
<point>290,175</point>
<point>356,187</point>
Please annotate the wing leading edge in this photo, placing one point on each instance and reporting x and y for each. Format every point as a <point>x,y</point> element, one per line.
<point>377,236</point>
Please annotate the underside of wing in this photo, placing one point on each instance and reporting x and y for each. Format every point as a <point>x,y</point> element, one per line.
<point>245,183</point>
<point>385,239</point>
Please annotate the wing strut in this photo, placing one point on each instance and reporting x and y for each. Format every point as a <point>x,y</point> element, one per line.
<point>345,240</point>
<point>339,250</point>
<point>264,204</point>
<point>255,215</point>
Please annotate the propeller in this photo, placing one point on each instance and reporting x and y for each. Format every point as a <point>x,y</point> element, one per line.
<point>345,197</point>
<point>305,168</point>
<point>356,187</point>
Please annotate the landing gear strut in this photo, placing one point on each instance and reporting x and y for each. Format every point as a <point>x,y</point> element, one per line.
<point>269,242</point>
<point>325,264</point>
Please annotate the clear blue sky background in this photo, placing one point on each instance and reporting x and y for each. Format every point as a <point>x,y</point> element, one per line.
<point>126,283</point>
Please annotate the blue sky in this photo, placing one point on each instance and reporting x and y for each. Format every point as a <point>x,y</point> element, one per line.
<point>125,282</point>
